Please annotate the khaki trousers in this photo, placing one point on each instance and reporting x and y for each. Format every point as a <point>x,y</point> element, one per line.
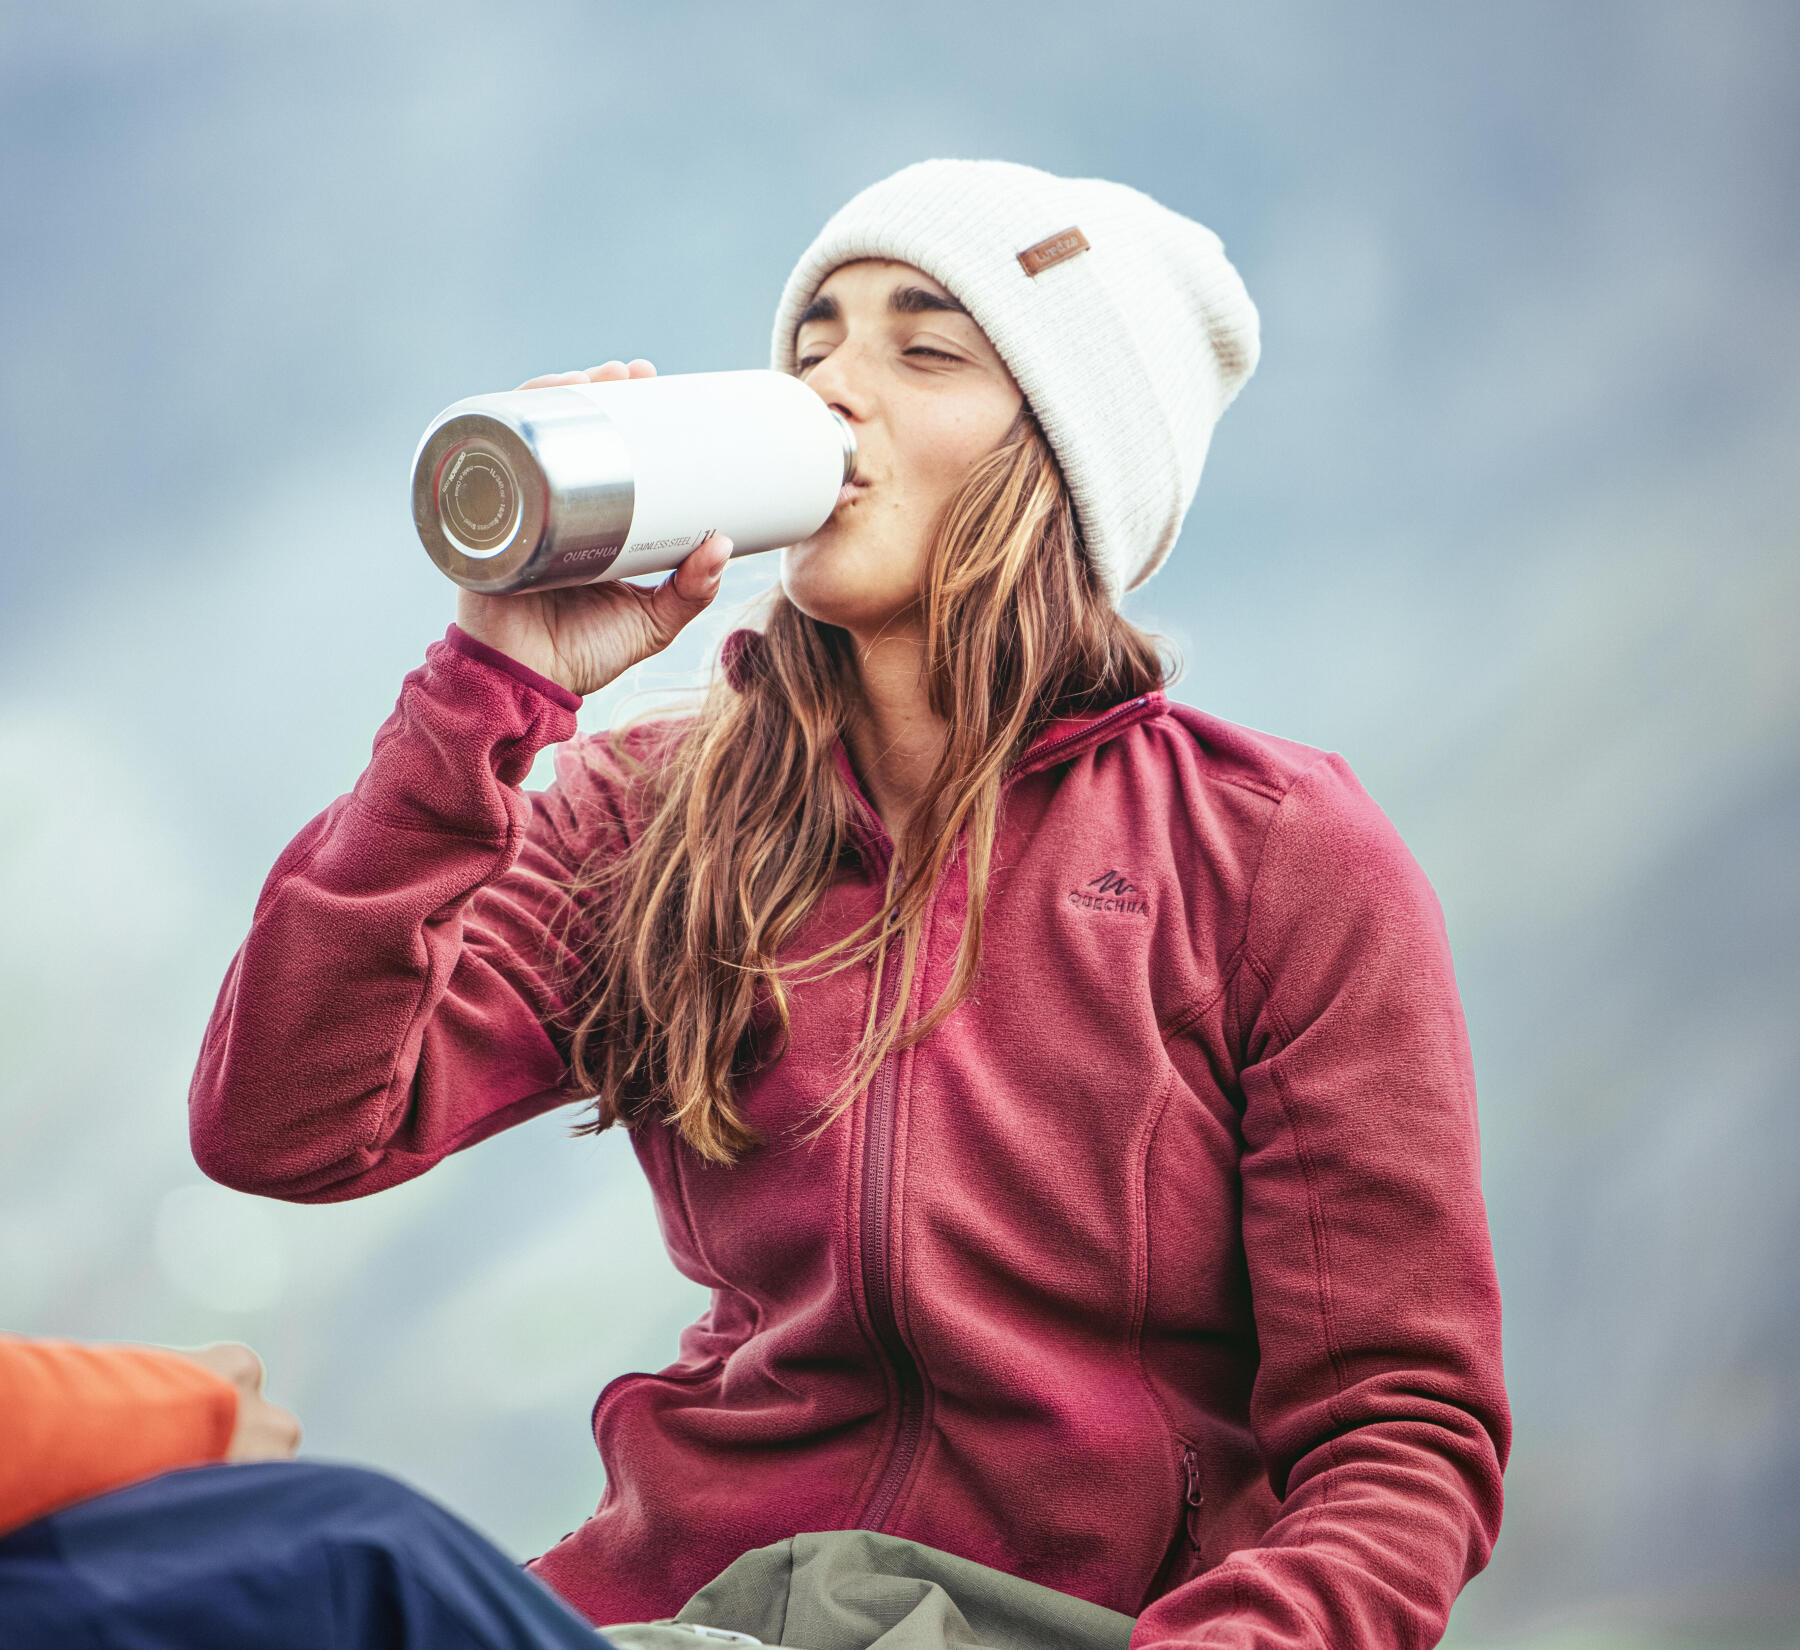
<point>857,1590</point>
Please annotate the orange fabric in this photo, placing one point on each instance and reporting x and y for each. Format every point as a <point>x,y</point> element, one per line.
<point>76,1421</point>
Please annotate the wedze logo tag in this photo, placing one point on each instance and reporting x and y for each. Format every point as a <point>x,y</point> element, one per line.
<point>1059,248</point>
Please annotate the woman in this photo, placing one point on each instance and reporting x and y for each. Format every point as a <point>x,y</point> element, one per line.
<point>1063,1092</point>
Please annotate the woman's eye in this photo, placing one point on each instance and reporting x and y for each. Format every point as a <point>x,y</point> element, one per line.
<point>935,354</point>
<point>807,362</point>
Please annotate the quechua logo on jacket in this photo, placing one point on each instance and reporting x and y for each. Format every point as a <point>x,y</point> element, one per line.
<point>1111,894</point>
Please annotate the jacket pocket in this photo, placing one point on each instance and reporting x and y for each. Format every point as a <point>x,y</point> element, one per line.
<point>1181,1558</point>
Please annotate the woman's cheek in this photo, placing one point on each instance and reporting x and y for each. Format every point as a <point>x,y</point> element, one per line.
<point>949,446</point>
<point>945,454</point>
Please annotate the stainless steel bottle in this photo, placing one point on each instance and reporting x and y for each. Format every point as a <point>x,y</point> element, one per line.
<point>539,488</point>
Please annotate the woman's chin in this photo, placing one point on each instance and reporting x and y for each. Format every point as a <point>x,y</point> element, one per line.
<point>832,578</point>
<point>820,596</point>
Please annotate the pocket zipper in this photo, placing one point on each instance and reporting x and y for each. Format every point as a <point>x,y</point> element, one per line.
<point>1192,1499</point>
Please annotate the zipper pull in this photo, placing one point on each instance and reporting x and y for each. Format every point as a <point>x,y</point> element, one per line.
<point>1190,1465</point>
<point>1190,1468</point>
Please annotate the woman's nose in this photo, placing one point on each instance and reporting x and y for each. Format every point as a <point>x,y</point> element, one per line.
<point>841,381</point>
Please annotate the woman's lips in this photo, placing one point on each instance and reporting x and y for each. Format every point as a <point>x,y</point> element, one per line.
<point>850,490</point>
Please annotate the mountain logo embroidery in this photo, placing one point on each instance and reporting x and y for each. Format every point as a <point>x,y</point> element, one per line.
<point>1111,893</point>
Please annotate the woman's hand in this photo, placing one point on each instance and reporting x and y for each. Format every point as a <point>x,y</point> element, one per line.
<point>264,1431</point>
<point>585,636</point>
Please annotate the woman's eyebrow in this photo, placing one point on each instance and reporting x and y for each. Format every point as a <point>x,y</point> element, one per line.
<point>915,300</point>
<point>903,300</point>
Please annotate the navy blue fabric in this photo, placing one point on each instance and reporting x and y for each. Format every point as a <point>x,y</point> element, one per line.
<point>271,1556</point>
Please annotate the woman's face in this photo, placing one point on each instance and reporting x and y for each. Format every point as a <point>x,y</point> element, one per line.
<point>928,398</point>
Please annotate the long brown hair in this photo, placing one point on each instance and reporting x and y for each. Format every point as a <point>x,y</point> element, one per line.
<point>746,817</point>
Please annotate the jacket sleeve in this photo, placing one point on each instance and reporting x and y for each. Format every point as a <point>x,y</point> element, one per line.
<point>1378,1405</point>
<point>77,1421</point>
<point>390,1002</point>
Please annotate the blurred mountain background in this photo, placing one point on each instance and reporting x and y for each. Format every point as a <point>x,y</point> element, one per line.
<point>1507,516</point>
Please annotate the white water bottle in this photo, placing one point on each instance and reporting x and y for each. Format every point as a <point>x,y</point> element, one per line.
<point>534,489</point>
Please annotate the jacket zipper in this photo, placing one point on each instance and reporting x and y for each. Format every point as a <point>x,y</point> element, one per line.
<point>878,1282</point>
<point>877,1221</point>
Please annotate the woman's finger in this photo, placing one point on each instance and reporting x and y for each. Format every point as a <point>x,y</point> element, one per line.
<point>550,380</point>
<point>608,372</point>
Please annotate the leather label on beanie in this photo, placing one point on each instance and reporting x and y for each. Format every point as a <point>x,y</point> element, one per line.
<point>1059,248</point>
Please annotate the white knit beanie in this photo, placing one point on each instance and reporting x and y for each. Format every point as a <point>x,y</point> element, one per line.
<point>1122,322</point>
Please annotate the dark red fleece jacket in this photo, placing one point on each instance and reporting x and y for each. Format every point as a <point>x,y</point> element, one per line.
<point>1159,1274</point>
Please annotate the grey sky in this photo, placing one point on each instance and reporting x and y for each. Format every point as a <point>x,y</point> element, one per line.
<point>1507,516</point>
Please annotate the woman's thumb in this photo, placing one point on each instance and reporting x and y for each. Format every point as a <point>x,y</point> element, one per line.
<point>689,590</point>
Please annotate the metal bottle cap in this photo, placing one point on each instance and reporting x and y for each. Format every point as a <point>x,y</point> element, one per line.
<point>507,501</point>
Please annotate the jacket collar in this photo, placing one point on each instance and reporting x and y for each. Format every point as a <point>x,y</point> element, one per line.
<point>1059,742</point>
<point>1071,736</point>
<point>1062,741</point>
